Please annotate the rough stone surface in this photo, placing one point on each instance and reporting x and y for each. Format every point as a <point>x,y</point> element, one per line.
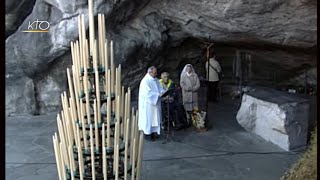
<point>16,12</point>
<point>151,32</point>
<point>277,117</point>
<point>20,97</point>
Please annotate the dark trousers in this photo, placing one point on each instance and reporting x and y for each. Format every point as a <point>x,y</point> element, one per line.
<point>212,90</point>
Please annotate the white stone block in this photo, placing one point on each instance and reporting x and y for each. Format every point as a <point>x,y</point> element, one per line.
<point>278,117</point>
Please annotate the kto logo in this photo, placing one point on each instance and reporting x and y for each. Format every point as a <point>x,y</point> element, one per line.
<point>38,26</point>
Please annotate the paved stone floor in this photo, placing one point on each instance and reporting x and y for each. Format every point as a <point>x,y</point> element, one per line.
<point>225,152</point>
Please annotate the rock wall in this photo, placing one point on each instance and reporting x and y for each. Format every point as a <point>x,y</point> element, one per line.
<point>165,33</point>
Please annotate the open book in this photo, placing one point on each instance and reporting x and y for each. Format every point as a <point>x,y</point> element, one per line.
<point>168,92</point>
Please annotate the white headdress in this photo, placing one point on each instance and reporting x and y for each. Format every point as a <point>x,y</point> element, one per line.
<point>184,71</point>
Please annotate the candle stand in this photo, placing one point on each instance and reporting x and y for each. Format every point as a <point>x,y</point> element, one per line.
<point>98,136</point>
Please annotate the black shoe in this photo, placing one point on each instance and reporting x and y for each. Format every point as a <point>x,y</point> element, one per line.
<point>153,137</point>
<point>147,137</point>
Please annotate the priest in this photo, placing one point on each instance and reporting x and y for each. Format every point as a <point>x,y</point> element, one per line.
<point>149,104</point>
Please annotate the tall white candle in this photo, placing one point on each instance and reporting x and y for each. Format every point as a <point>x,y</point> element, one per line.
<point>104,158</point>
<point>81,166</point>
<point>116,85</point>
<point>78,138</point>
<point>133,167</point>
<point>112,67</point>
<point>118,117</point>
<point>84,40</point>
<point>99,39</point>
<point>80,33</point>
<point>117,162</point>
<point>73,119</point>
<point>114,146</point>
<point>140,156</point>
<point>137,131</point>
<point>61,130</point>
<point>103,34</point>
<point>132,138</point>
<point>109,83</point>
<point>119,77</point>
<point>96,125</point>
<point>126,150</point>
<point>72,53</point>
<point>97,85</point>
<point>63,160</point>
<point>121,109</point>
<point>57,156</point>
<point>92,154</point>
<point>125,116</point>
<point>91,25</point>
<point>72,163</point>
<point>108,121</point>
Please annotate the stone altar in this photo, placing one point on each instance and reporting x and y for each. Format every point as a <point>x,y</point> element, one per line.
<point>276,116</point>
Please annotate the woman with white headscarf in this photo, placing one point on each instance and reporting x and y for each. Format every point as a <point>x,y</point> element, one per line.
<point>189,82</point>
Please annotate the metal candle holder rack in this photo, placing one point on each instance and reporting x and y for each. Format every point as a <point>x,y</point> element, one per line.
<point>98,130</point>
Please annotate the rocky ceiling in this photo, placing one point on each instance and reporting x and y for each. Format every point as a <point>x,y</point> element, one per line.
<point>166,33</point>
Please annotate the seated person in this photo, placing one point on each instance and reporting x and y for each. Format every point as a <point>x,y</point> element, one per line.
<point>171,98</point>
